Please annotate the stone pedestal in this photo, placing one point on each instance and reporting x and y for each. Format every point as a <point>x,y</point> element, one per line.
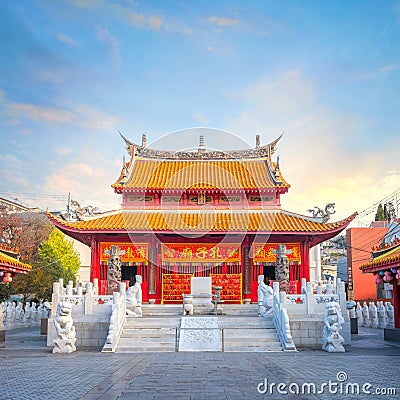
<point>2,337</point>
<point>43,326</point>
<point>200,290</point>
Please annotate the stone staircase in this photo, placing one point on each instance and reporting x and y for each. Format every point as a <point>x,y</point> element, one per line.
<point>149,333</point>
<point>158,330</point>
<point>249,333</point>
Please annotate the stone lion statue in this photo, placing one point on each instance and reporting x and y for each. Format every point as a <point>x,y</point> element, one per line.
<point>65,342</point>
<point>134,298</point>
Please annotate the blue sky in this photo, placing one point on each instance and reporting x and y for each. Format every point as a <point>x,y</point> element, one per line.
<point>75,72</point>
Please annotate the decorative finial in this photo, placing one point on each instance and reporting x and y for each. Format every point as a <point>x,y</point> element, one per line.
<point>124,169</point>
<point>257,141</point>
<point>144,140</point>
<point>201,143</point>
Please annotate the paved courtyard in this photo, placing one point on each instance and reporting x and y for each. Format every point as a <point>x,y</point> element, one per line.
<point>29,371</point>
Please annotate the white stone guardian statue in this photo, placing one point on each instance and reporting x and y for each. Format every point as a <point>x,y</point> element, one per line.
<point>365,313</point>
<point>381,315</point>
<point>2,314</point>
<point>65,342</point>
<point>359,314</point>
<point>390,315</point>
<point>373,315</point>
<point>134,298</point>
<point>10,313</point>
<point>265,298</point>
<point>332,341</point>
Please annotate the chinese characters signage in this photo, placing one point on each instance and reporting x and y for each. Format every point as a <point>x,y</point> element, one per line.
<point>137,252</point>
<point>221,252</point>
<point>267,252</point>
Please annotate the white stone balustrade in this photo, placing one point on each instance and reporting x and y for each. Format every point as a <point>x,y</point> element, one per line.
<point>117,319</point>
<point>281,319</point>
<point>305,312</point>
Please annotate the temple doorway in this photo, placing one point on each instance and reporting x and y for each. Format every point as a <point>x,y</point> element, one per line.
<point>128,273</point>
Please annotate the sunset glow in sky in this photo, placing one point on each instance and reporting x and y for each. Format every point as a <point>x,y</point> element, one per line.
<point>75,72</point>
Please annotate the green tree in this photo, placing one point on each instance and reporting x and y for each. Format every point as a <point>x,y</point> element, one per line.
<point>57,259</point>
<point>59,253</point>
<point>380,214</point>
<point>5,291</point>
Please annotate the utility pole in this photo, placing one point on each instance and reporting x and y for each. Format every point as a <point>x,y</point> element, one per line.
<point>69,207</point>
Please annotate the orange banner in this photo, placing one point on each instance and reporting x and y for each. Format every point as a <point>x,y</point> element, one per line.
<point>221,252</point>
<point>267,252</point>
<point>137,252</point>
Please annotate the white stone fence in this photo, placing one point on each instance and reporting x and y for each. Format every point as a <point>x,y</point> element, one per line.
<point>117,319</point>
<point>281,319</point>
<point>311,303</point>
<point>299,317</point>
<point>85,300</point>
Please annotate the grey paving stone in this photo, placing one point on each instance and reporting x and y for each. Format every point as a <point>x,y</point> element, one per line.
<point>28,370</point>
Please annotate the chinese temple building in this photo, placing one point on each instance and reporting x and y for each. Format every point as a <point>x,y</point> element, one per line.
<point>10,264</point>
<point>200,213</point>
<point>385,266</point>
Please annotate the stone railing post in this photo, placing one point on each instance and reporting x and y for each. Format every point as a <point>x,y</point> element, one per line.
<point>275,287</point>
<point>61,288</point>
<point>310,299</point>
<point>303,286</point>
<point>55,298</point>
<point>88,299</point>
<point>96,286</point>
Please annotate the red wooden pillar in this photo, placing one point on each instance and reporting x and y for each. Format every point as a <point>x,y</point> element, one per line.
<point>305,260</point>
<point>95,259</point>
<point>396,304</point>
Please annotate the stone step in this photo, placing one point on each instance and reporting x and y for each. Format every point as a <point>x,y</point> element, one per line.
<point>145,349</point>
<point>147,333</point>
<point>243,332</point>
<point>274,347</point>
<point>146,341</point>
<point>246,335</point>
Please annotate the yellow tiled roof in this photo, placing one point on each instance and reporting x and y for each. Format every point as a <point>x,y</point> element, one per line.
<point>200,174</point>
<point>388,258</point>
<point>251,221</point>
<point>11,261</point>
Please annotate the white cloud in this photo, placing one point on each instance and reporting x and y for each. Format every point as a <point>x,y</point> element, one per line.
<point>79,114</point>
<point>223,21</point>
<point>86,183</point>
<point>13,170</point>
<point>87,3</point>
<point>112,43</point>
<point>155,22</point>
<point>65,39</point>
<point>63,151</point>
<point>373,74</point>
<point>39,113</point>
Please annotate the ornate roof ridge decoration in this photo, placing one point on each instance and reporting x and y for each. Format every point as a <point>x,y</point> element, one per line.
<point>259,152</point>
<point>384,261</point>
<point>11,261</point>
